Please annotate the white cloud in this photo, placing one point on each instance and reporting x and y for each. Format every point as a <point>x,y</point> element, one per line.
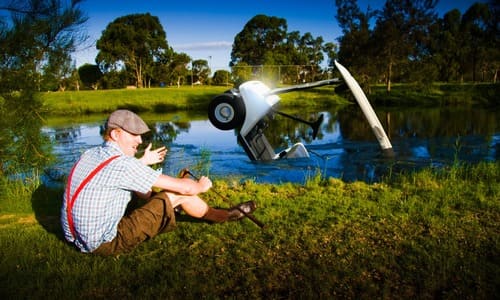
<point>203,46</point>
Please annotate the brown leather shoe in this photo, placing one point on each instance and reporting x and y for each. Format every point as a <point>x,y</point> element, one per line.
<point>235,213</point>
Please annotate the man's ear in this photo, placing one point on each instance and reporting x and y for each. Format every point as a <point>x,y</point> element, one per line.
<point>114,134</point>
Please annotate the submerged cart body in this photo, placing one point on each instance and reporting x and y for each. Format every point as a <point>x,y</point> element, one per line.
<point>248,109</point>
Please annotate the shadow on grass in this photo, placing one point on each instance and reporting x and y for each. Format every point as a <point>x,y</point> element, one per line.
<point>132,107</point>
<point>164,108</point>
<point>46,203</point>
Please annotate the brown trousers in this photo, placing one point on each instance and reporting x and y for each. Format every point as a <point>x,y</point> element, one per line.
<point>155,217</point>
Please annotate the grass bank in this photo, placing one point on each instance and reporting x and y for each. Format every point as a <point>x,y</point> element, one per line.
<point>431,234</point>
<point>437,94</point>
<point>158,100</point>
<point>162,100</point>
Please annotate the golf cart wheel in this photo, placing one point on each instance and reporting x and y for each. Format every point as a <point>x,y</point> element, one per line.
<point>226,111</point>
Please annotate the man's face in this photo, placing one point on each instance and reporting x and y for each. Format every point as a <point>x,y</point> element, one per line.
<point>127,142</point>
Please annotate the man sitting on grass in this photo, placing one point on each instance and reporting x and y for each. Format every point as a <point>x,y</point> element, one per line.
<point>101,184</point>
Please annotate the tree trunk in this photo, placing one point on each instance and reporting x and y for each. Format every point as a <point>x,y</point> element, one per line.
<point>138,73</point>
<point>389,74</point>
<point>474,66</point>
<point>366,83</point>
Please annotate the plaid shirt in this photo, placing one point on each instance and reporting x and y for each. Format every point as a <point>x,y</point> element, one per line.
<point>102,202</point>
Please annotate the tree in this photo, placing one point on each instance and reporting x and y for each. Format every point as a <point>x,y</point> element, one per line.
<point>494,31</point>
<point>134,41</point>
<point>356,45</point>
<point>409,43</point>
<point>200,70</point>
<point>258,40</point>
<point>241,72</point>
<point>400,32</point>
<point>31,40</point>
<point>39,33</point>
<point>477,27</point>
<point>331,50</point>
<point>57,73</point>
<point>221,77</point>
<point>90,75</point>
<point>177,68</point>
<point>446,45</point>
<point>462,45</point>
<point>115,79</point>
<point>311,49</point>
<point>264,41</point>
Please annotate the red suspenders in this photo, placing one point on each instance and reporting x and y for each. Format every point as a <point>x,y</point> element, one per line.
<point>71,201</point>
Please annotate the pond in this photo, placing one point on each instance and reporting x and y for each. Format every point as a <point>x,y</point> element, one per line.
<point>344,148</point>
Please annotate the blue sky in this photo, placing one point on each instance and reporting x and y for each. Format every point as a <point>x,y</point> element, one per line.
<point>206,29</point>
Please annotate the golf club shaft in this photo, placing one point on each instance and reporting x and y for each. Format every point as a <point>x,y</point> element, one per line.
<point>248,215</point>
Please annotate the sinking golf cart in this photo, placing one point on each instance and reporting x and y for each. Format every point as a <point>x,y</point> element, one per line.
<point>248,108</point>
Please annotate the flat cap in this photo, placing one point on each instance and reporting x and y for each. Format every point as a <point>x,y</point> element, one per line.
<point>128,121</point>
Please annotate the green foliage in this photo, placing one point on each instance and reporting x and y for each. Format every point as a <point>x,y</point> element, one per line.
<point>409,43</point>
<point>37,42</point>
<point>423,235</point>
<point>17,191</point>
<point>177,71</point>
<point>58,72</point>
<point>90,76</point>
<point>264,41</point>
<point>201,71</point>
<point>262,34</point>
<point>116,79</point>
<point>136,41</point>
<point>221,77</point>
<point>23,146</point>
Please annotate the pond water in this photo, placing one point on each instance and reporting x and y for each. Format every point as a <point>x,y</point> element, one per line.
<point>345,147</point>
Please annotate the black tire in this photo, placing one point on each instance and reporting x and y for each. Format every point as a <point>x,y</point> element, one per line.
<point>226,111</point>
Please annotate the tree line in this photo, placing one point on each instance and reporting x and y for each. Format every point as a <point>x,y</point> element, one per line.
<point>404,41</point>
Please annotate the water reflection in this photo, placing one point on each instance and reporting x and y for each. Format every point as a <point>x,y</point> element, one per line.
<point>345,148</point>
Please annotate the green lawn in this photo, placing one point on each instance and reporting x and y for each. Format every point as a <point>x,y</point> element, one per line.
<point>425,235</point>
<point>431,234</point>
<point>157,100</point>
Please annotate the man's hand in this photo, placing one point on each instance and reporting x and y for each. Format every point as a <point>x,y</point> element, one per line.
<point>152,157</point>
<point>205,183</point>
